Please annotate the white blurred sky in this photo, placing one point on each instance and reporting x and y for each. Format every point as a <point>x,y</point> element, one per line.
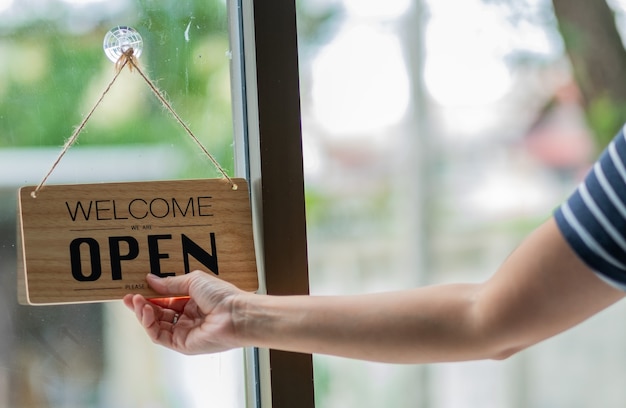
<point>360,79</point>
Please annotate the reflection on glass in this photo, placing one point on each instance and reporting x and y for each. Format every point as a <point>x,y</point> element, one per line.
<point>53,69</point>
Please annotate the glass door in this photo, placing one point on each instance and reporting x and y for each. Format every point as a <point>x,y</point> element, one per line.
<point>53,70</point>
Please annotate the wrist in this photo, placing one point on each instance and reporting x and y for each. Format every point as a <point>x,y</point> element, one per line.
<point>244,316</point>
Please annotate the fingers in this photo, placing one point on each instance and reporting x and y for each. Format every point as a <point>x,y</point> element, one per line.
<point>172,285</point>
<point>158,322</point>
<point>128,301</point>
<point>179,289</point>
<point>140,306</point>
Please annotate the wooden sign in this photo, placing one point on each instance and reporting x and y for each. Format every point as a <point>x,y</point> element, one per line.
<point>97,242</point>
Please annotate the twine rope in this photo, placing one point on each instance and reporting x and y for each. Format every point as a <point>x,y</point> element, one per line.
<point>129,59</point>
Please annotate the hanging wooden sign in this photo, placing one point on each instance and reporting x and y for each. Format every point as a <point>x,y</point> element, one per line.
<point>97,242</point>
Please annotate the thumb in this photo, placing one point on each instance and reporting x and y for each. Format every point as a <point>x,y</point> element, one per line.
<point>171,285</point>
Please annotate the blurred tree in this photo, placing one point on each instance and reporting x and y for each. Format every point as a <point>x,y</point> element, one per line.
<point>594,46</point>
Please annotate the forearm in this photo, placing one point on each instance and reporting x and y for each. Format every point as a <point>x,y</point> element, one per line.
<point>421,325</point>
<point>540,290</point>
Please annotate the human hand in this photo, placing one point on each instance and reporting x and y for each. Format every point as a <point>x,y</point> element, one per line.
<point>200,323</point>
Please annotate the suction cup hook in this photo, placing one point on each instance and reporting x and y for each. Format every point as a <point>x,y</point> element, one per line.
<point>120,39</point>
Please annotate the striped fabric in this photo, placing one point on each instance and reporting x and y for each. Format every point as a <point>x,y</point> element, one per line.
<point>593,219</point>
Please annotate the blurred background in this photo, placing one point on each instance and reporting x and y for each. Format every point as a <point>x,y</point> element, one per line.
<point>437,135</point>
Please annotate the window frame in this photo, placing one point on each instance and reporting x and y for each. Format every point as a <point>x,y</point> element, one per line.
<point>268,153</point>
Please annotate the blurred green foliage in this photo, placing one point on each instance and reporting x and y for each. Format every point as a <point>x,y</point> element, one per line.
<point>605,117</point>
<point>51,76</point>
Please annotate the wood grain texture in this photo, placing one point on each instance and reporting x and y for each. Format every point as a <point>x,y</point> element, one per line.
<point>97,242</point>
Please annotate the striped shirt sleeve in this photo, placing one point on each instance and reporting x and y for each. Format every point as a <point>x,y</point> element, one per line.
<point>593,219</point>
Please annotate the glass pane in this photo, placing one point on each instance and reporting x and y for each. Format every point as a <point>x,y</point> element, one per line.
<point>437,134</point>
<point>53,70</point>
